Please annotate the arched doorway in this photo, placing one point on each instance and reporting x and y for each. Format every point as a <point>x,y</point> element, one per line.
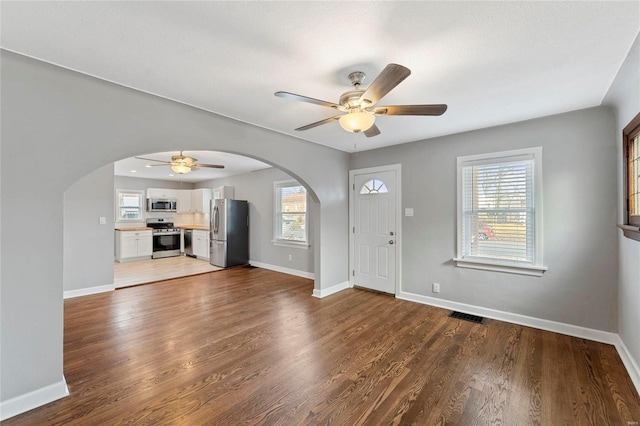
<point>91,213</point>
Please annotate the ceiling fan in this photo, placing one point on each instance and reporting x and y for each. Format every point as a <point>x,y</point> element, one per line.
<point>359,104</point>
<point>181,164</point>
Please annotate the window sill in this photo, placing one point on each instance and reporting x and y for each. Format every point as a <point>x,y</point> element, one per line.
<point>630,231</point>
<point>485,265</point>
<point>294,244</point>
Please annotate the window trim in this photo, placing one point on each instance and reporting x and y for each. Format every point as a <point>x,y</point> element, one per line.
<point>278,241</point>
<point>631,226</point>
<point>117,204</point>
<point>536,268</point>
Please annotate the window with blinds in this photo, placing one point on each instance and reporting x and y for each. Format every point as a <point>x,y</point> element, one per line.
<point>498,209</point>
<point>290,212</point>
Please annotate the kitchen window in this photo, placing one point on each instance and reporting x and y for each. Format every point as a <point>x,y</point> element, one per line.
<point>631,160</point>
<point>500,212</point>
<point>129,205</point>
<point>291,219</point>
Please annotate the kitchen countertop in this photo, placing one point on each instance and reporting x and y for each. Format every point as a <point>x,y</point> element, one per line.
<point>200,227</point>
<point>134,229</point>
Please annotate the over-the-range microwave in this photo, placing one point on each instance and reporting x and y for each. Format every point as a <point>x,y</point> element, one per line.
<point>167,205</point>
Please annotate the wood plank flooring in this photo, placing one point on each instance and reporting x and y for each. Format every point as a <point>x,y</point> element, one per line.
<point>147,271</point>
<point>251,346</point>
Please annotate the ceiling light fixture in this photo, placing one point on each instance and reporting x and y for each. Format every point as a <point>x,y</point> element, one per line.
<point>180,168</point>
<point>357,121</point>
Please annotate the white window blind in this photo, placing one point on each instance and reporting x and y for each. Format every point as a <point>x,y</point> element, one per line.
<point>129,205</point>
<point>497,209</point>
<point>290,212</point>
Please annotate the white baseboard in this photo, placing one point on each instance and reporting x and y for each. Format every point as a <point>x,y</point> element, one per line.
<point>89,290</point>
<point>331,290</point>
<point>297,273</point>
<point>29,401</point>
<point>542,324</point>
<point>629,363</point>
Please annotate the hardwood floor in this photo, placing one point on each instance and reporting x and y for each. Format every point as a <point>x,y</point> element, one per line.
<point>147,271</point>
<point>251,346</point>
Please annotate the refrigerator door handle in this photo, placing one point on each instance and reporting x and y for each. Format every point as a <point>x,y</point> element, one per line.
<point>216,220</point>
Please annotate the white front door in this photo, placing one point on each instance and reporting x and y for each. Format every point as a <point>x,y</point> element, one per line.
<point>374,229</point>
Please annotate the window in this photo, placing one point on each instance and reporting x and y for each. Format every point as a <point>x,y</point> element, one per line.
<point>291,218</point>
<point>374,186</point>
<point>631,153</point>
<point>129,205</point>
<point>499,212</point>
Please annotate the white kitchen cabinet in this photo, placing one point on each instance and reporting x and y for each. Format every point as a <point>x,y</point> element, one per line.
<point>133,245</point>
<point>162,193</point>
<point>200,244</point>
<point>184,201</point>
<point>200,200</point>
<point>223,192</point>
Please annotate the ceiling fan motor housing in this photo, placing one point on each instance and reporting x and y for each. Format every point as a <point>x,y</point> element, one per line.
<point>351,99</point>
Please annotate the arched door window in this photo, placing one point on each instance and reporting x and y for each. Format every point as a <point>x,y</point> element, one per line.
<point>374,186</point>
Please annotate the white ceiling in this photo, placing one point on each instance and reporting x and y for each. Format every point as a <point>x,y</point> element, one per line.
<point>491,62</point>
<point>233,165</point>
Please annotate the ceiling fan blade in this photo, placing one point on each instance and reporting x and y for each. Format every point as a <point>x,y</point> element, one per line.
<point>318,123</point>
<point>211,166</point>
<point>151,159</point>
<point>307,99</point>
<point>372,131</point>
<point>390,77</point>
<point>438,109</point>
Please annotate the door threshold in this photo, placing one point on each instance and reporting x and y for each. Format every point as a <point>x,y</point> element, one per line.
<point>373,291</point>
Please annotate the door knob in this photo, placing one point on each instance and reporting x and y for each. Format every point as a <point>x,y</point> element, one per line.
<point>390,241</point>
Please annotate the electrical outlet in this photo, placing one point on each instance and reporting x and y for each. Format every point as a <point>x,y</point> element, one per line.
<point>290,258</point>
<point>436,288</point>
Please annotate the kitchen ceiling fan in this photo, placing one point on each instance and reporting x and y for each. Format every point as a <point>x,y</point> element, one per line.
<point>360,105</point>
<point>182,164</point>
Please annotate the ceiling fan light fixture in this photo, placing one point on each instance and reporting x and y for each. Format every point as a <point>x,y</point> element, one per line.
<point>181,169</point>
<point>357,121</point>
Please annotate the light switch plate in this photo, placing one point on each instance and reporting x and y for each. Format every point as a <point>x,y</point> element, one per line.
<point>408,211</point>
<point>103,220</point>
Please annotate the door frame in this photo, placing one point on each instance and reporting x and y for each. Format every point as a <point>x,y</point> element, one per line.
<point>397,168</point>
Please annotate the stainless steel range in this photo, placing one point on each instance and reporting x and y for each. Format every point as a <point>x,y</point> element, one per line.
<point>166,238</point>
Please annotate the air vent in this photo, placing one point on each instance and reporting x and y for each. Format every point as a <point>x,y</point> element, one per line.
<point>467,317</point>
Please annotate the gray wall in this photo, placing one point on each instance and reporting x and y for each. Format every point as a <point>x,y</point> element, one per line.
<point>88,246</point>
<point>624,97</point>
<point>580,243</point>
<point>257,187</point>
<point>50,114</point>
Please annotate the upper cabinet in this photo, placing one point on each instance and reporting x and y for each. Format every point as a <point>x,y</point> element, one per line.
<point>200,200</point>
<point>194,200</point>
<point>184,201</point>
<point>222,192</point>
<point>162,193</point>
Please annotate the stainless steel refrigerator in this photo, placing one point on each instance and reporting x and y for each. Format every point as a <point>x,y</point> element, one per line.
<point>229,243</point>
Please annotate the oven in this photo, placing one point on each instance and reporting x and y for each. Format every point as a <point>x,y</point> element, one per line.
<point>166,238</point>
<point>166,244</point>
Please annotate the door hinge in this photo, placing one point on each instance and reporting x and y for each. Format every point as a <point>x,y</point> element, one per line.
<point>354,229</point>
<point>353,273</point>
<point>353,186</point>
